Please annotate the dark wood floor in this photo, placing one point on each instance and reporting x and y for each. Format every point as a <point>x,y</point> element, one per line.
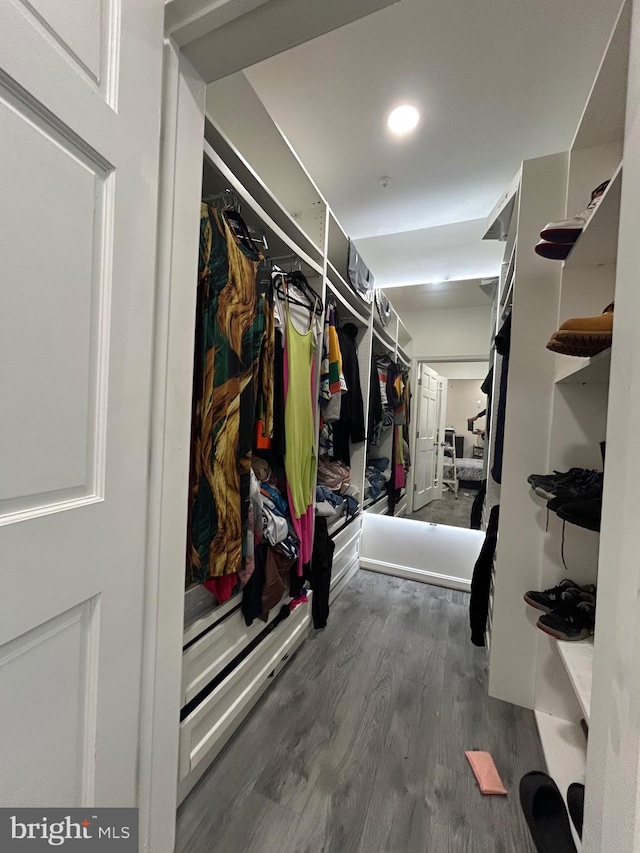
<point>359,746</point>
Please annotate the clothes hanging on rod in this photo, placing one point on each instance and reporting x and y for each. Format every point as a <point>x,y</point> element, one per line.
<point>230,327</point>
<point>300,328</point>
<point>350,425</point>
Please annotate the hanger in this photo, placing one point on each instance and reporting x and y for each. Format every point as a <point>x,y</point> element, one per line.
<point>298,278</point>
<point>312,301</point>
<point>228,202</point>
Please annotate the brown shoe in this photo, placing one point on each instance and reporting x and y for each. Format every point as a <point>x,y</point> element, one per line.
<point>584,336</point>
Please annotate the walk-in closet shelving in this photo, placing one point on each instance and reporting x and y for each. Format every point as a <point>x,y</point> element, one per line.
<point>227,665</point>
<point>556,419</point>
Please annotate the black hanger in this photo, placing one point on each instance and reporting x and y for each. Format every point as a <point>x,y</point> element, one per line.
<point>298,278</point>
<point>313,302</point>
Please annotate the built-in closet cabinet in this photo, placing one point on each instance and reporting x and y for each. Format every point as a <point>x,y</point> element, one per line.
<point>558,410</point>
<point>227,665</point>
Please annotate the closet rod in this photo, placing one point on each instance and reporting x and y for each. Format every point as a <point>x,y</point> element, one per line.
<point>336,293</point>
<point>248,199</point>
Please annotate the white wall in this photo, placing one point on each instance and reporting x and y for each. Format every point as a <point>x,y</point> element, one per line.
<point>449,332</point>
<point>462,403</point>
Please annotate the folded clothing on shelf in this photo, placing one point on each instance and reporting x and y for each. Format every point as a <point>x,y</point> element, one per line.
<point>331,504</point>
<point>333,474</point>
<point>377,475</point>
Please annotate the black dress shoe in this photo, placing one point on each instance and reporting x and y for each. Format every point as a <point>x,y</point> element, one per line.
<point>575,802</point>
<point>546,814</point>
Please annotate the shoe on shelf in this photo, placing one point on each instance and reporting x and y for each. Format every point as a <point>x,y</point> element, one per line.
<point>548,479</point>
<point>553,251</point>
<point>574,479</point>
<point>573,619</point>
<point>584,336</point>
<point>587,513</point>
<point>548,599</point>
<point>575,803</point>
<point>546,814</point>
<point>584,489</point>
<point>568,230</point>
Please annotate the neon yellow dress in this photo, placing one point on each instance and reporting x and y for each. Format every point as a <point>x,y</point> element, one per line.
<point>299,421</point>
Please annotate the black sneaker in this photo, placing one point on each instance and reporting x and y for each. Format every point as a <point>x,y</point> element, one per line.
<point>571,620</point>
<point>584,489</point>
<point>585,514</point>
<point>548,599</point>
<point>548,481</point>
<point>574,479</point>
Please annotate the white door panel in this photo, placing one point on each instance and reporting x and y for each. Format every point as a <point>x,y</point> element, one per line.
<point>79,134</point>
<point>426,482</point>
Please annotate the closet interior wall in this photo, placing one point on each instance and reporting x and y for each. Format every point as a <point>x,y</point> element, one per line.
<point>226,665</point>
<point>557,413</point>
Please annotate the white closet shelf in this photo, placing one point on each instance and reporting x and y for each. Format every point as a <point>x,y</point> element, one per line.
<point>386,342</point>
<point>598,243</point>
<point>281,242</point>
<point>339,288</point>
<point>509,278</point>
<point>404,336</point>
<point>577,658</point>
<point>403,357</point>
<point>585,371</point>
<point>340,523</point>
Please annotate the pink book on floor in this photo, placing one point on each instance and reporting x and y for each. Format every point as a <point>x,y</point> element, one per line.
<point>485,772</point>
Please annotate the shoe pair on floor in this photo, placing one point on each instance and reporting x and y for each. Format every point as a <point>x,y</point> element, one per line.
<point>574,495</point>
<point>569,610</point>
<point>559,238</point>
<point>546,814</point>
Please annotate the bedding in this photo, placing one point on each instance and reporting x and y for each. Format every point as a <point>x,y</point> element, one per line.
<point>466,469</point>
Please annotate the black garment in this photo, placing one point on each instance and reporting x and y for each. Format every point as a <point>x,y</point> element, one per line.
<point>503,345</point>
<point>475,522</point>
<point>350,426</point>
<point>320,572</point>
<point>252,592</point>
<point>481,582</point>
<point>375,400</point>
<point>486,388</point>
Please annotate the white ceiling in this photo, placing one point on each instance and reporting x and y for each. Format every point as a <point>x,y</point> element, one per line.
<point>450,294</point>
<point>497,81</point>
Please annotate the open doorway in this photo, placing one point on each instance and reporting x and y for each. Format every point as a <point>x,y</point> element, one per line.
<point>449,441</point>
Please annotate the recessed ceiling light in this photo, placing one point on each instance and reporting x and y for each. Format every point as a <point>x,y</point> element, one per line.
<point>403,119</point>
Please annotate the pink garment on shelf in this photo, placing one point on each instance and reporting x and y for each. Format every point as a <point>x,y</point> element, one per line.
<point>302,599</point>
<point>305,525</point>
<point>222,587</point>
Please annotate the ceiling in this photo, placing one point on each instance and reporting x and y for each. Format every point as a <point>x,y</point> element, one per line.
<point>496,81</point>
<point>446,294</point>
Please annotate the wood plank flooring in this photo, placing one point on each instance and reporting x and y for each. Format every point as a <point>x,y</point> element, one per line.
<point>359,746</point>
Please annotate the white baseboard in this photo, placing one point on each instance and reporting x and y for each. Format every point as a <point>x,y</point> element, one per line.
<point>415,574</point>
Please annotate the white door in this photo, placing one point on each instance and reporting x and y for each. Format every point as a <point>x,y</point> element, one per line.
<point>80,86</point>
<point>427,486</point>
